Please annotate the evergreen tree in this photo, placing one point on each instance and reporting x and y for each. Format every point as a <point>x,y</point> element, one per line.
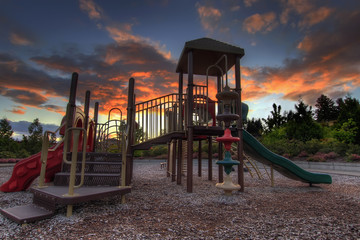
<point>302,126</point>
<point>275,120</point>
<point>33,142</point>
<point>254,127</point>
<point>326,110</point>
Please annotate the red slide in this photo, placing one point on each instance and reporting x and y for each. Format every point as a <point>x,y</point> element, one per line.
<point>28,169</point>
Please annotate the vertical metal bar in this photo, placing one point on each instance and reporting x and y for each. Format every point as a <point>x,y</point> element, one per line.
<point>130,136</point>
<point>86,110</point>
<point>220,146</point>
<point>180,100</point>
<point>240,146</point>
<point>96,115</point>
<point>70,110</point>
<point>190,135</point>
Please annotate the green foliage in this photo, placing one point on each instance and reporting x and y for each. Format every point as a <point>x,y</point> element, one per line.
<point>254,127</point>
<point>347,132</point>
<point>275,120</point>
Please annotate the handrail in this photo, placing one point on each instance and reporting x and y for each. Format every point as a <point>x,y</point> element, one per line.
<point>44,153</point>
<point>73,161</point>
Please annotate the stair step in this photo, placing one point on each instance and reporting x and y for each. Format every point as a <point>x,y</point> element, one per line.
<point>98,157</point>
<point>90,179</point>
<point>27,213</point>
<point>96,167</point>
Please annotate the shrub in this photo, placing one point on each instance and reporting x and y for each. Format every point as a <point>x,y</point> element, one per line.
<point>353,149</point>
<point>303,154</point>
<point>318,157</point>
<point>313,146</point>
<point>353,158</point>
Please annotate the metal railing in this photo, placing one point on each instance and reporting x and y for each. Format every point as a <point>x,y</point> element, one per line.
<point>44,153</point>
<point>156,117</point>
<point>109,133</point>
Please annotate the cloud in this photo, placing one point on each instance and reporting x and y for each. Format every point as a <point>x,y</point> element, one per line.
<point>315,17</point>
<point>22,127</point>
<point>249,3</point>
<point>93,10</point>
<point>328,64</point>
<point>18,110</point>
<point>260,23</point>
<point>209,17</point>
<point>308,13</point>
<point>106,71</point>
<point>18,39</point>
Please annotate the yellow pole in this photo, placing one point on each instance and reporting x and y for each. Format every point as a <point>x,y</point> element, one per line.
<point>44,155</point>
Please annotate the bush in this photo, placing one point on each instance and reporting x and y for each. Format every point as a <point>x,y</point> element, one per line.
<point>353,158</point>
<point>318,157</point>
<point>313,146</point>
<point>7,154</point>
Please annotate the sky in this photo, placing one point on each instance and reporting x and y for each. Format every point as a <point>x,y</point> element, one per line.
<point>294,49</point>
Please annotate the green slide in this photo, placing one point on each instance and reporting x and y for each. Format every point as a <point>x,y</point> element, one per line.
<point>258,152</point>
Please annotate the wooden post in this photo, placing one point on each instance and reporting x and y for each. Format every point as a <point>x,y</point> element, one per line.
<point>210,158</point>
<point>240,151</point>
<point>190,136</point>
<point>199,159</point>
<point>96,113</point>
<point>168,160</point>
<point>173,164</point>
<point>130,110</point>
<point>179,162</point>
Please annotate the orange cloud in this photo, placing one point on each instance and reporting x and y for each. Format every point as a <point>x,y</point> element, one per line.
<point>315,17</point>
<point>17,39</point>
<point>91,8</point>
<point>260,22</point>
<point>209,17</point>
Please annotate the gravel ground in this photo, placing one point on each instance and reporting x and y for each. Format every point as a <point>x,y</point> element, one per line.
<point>159,209</point>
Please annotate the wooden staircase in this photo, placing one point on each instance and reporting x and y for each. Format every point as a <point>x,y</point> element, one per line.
<point>102,179</point>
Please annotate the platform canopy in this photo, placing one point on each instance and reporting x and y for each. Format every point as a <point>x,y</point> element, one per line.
<point>206,52</point>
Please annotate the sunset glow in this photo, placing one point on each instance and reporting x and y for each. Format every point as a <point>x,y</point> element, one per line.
<point>293,49</point>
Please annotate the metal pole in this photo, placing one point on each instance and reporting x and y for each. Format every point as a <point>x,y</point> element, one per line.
<point>173,164</point>
<point>130,121</point>
<point>180,101</point>
<point>71,105</point>
<point>220,146</point>
<point>86,110</point>
<point>96,113</point>
<point>190,136</point>
<point>240,151</point>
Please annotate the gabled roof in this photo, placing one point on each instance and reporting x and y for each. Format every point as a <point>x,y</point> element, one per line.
<point>206,52</point>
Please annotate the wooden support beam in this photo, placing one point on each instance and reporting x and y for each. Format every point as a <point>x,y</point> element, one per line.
<point>179,162</point>
<point>199,159</point>
<point>190,135</point>
<point>210,158</point>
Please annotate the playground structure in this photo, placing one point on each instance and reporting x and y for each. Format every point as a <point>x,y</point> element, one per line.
<point>176,119</point>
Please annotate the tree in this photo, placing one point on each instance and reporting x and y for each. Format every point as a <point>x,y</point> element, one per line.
<point>326,110</point>
<point>254,127</point>
<point>276,119</point>
<point>5,129</point>
<point>302,126</point>
<point>33,142</point>
<point>349,108</point>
